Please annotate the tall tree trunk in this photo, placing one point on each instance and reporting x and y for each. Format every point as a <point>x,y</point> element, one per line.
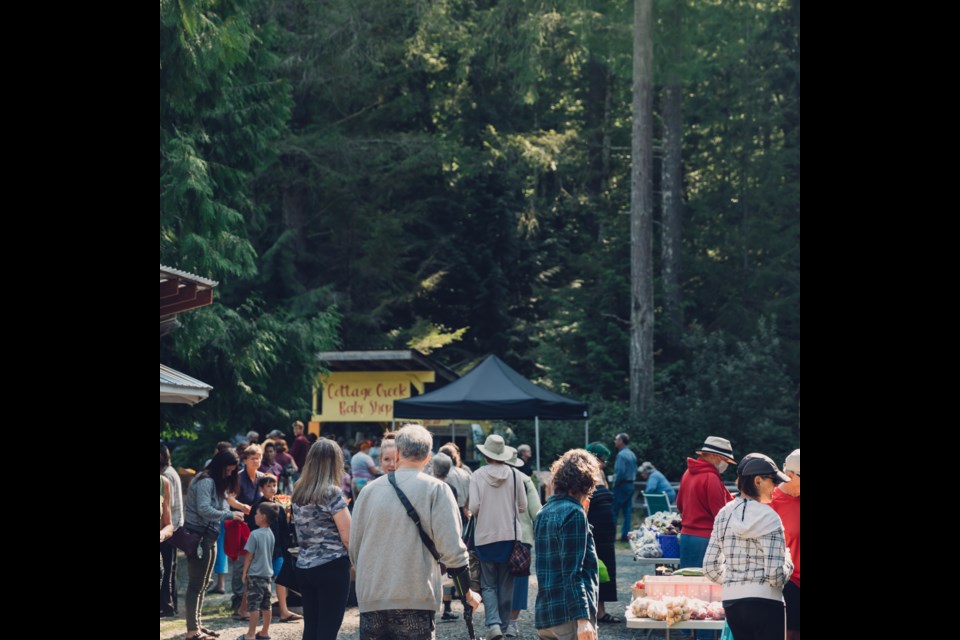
<point>598,119</point>
<point>607,128</point>
<point>594,120</point>
<point>672,186</point>
<point>594,112</point>
<point>641,212</point>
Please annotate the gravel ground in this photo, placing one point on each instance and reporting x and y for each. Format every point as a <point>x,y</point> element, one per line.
<point>216,614</point>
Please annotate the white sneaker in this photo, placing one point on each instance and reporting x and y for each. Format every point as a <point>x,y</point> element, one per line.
<point>494,632</point>
<point>512,631</point>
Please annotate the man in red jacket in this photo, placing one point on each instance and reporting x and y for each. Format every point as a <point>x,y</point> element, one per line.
<point>786,502</point>
<point>701,496</point>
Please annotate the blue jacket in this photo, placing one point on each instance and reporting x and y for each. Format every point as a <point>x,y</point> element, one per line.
<point>658,483</point>
<point>625,472</point>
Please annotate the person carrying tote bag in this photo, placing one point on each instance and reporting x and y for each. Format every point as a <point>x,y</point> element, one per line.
<point>521,583</point>
<point>205,507</point>
<point>495,499</point>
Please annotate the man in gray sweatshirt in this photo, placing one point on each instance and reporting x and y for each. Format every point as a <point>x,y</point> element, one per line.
<point>398,578</point>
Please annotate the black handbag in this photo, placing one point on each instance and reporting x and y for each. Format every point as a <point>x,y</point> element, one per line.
<point>187,541</point>
<point>288,575</point>
<point>519,562</point>
<point>468,533</point>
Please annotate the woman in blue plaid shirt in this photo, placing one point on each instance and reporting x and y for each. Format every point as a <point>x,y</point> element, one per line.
<point>566,554</point>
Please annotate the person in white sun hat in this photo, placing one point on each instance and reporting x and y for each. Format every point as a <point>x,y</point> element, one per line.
<point>701,496</point>
<point>497,497</point>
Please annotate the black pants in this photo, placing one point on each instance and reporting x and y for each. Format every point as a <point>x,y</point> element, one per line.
<point>755,619</point>
<point>791,597</point>
<point>199,569</point>
<point>324,590</point>
<point>168,585</point>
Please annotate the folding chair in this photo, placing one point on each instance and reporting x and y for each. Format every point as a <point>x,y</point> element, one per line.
<point>656,502</point>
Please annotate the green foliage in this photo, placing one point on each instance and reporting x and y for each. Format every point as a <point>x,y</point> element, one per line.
<point>223,105</point>
<point>426,337</point>
<point>607,419</point>
<point>262,366</point>
<point>743,176</point>
<point>220,106</point>
<point>728,387</point>
<point>454,175</point>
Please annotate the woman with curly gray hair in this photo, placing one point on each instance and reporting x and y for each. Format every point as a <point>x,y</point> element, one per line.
<point>566,554</point>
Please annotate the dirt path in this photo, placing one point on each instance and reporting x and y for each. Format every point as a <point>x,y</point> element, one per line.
<point>216,613</point>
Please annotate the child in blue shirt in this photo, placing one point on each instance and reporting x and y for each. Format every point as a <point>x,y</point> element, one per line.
<point>258,570</point>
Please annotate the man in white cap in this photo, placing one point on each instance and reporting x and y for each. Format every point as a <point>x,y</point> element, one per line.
<point>497,496</point>
<point>701,497</point>
<point>786,502</point>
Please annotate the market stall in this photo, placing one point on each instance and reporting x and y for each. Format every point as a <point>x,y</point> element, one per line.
<point>676,602</point>
<point>646,623</point>
<point>494,391</point>
<point>649,565</point>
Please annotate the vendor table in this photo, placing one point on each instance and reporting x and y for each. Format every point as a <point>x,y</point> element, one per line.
<point>647,623</point>
<point>653,562</point>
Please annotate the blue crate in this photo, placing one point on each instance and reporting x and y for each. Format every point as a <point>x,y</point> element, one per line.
<point>669,544</point>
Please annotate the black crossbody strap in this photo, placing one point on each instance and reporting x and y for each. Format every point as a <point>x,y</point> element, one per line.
<point>415,517</point>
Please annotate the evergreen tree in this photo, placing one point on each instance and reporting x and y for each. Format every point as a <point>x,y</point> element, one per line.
<point>222,105</point>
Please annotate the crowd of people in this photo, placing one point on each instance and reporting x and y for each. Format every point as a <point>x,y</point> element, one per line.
<point>403,516</point>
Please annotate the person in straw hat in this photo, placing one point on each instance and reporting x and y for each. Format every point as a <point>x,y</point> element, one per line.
<point>521,584</point>
<point>701,496</point>
<point>497,497</point>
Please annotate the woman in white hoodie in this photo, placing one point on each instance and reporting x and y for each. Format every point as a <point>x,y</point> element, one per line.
<point>748,555</point>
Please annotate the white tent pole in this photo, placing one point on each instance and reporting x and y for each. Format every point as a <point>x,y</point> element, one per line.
<point>536,429</point>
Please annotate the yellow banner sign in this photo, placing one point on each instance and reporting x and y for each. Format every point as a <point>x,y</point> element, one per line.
<point>366,396</point>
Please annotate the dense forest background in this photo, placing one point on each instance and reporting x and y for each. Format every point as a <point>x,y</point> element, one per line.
<point>454,176</point>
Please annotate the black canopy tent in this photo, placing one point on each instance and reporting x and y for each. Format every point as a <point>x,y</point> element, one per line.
<point>493,391</point>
